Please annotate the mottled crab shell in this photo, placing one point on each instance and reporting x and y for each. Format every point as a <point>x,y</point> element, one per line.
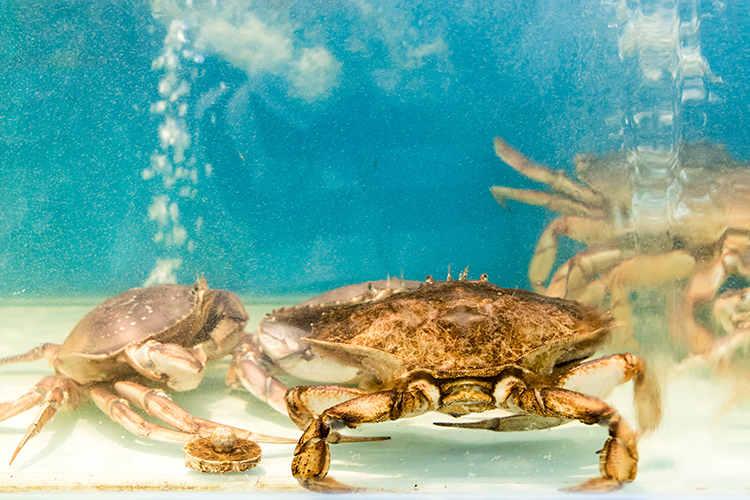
<point>458,328</point>
<point>178,314</point>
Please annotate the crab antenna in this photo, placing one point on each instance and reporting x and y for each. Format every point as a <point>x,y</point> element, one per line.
<point>45,415</point>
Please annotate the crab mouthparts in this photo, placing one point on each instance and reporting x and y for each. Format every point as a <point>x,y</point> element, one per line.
<point>466,399</point>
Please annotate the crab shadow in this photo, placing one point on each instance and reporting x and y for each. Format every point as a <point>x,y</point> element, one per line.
<point>459,455</point>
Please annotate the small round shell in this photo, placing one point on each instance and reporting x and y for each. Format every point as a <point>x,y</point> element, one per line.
<point>221,453</point>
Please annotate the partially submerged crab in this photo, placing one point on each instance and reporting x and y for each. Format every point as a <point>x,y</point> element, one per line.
<point>708,238</point>
<point>162,335</point>
<point>455,347</point>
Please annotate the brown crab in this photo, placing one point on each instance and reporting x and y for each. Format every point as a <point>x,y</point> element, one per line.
<point>455,347</point>
<point>708,240</point>
<point>161,335</point>
<point>731,317</point>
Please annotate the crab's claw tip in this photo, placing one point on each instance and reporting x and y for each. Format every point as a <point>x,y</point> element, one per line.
<point>499,144</point>
<point>32,431</point>
<point>498,194</point>
<point>18,448</point>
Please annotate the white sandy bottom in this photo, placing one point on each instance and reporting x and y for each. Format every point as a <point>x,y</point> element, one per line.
<point>692,452</point>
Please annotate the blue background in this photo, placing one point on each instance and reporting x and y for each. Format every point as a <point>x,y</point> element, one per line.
<point>387,173</point>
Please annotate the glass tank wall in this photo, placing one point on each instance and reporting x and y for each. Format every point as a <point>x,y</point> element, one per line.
<point>596,150</point>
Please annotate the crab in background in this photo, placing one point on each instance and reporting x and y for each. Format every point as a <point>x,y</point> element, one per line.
<point>396,349</point>
<point>163,335</point>
<point>708,240</point>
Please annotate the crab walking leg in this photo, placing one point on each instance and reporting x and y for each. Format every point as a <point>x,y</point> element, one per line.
<point>598,377</point>
<point>513,423</point>
<point>12,408</point>
<point>555,202</point>
<point>156,403</point>
<point>55,393</point>
<point>557,180</point>
<point>246,370</point>
<point>47,351</point>
<point>618,459</point>
<point>119,410</point>
<point>591,232</point>
<point>601,376</point>
<point>312,456</point>
<point>573,278</point>
<point>305,403</point>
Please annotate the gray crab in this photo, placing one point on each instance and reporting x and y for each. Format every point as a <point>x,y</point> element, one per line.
<point>161,335</point>
<point>455,347</point>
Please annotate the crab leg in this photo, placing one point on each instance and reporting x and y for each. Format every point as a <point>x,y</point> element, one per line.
<point>601,376</point>
<point>573,277</point>
<point>706,282</point>
<point>555,202</point>
<point>597,377</point>
<point>119,410</point>
<point>47,351</point>
<point>307,402</point>
<point>618,460</point>
<point>26,402</point>
<point>56,393</point>
<point>156,403</point>
<point>575,281</point>
<point>247,371</point>
<point>512,423</point>
<point>557,180</point>
<point>591,232</point>
<point>312,456</point>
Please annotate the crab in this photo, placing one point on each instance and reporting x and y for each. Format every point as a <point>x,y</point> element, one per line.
<point>731,317</point>
<point>397,349</point>
<point>729,355</point>
<point>708,238</point>
<point>163,335</point>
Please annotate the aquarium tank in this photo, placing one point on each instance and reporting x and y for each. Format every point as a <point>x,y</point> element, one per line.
<point>596,151</point>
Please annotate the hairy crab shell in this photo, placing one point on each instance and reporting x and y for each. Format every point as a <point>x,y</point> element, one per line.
<point>457,347</point>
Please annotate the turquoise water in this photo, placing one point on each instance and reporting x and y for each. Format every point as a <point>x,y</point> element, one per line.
<point>282,149</point>
<point>353,142</point>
